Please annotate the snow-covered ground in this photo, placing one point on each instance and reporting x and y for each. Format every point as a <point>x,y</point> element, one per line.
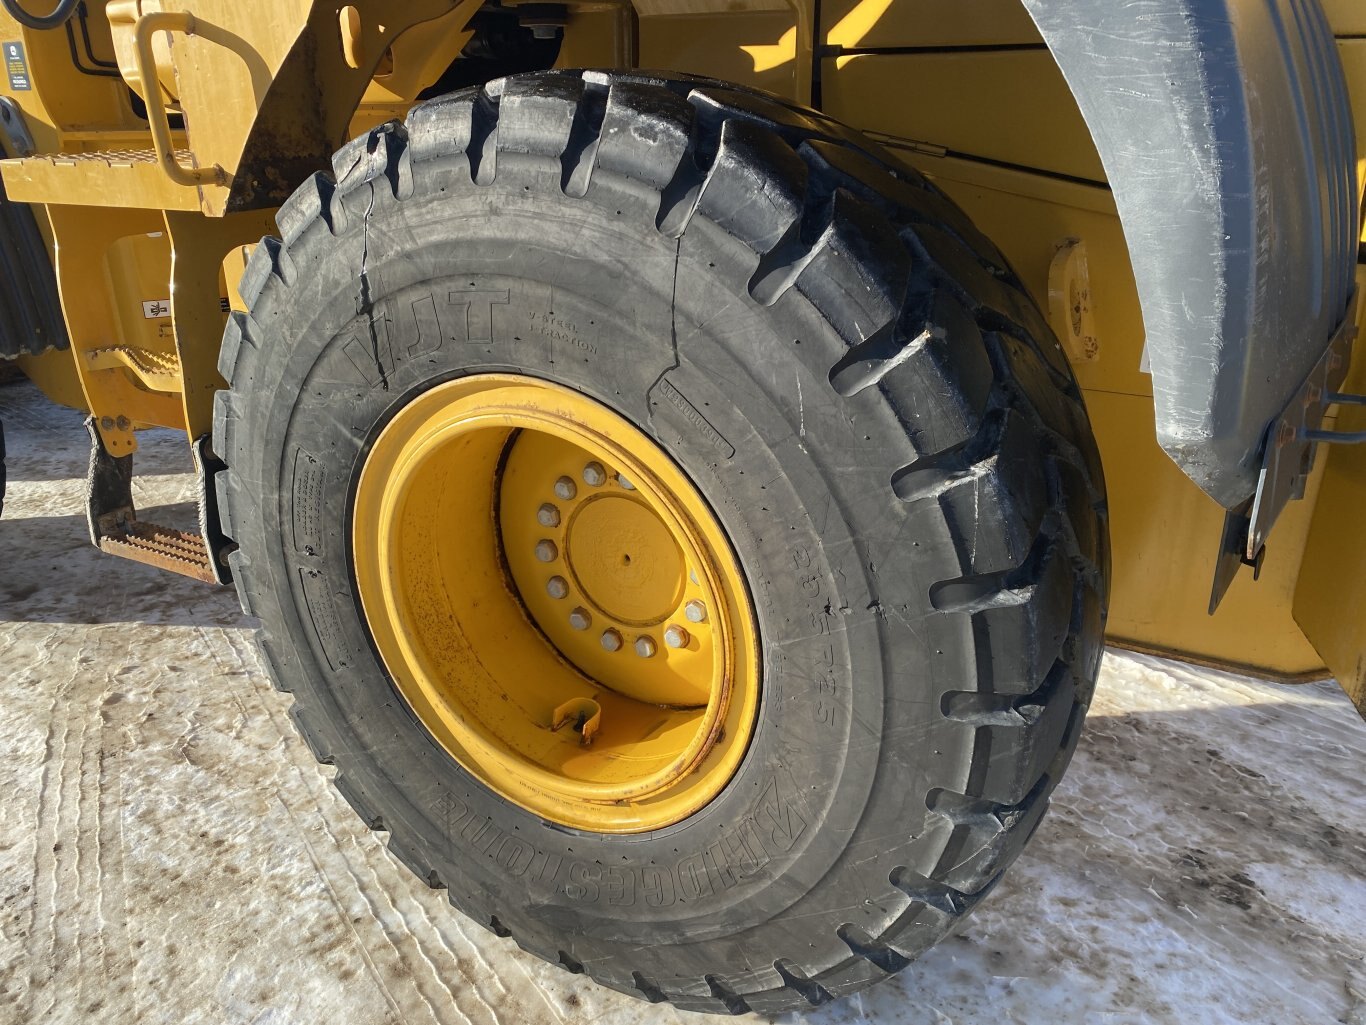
<point>170,853</point>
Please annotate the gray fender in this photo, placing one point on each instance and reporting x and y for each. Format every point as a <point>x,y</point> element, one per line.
<point>1226,133</point>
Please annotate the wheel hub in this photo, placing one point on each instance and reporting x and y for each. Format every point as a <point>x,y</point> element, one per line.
<point>556,603</point>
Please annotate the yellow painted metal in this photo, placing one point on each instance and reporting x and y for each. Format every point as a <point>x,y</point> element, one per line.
<point>1330,598</point>
<point>98,178</point>
<point>159,124</point>
<point>864,24</point>
<point>1069,301</point>
<point>1009,106</point>
<point>54,373</point>
<point>527,561</point>
<point>199,247</point>
<point>96,318</point>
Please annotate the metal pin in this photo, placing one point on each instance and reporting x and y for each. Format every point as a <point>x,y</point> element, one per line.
<point>548,516</point>
<point>546,550</point>
<point>557,587</point>
<point>621,479</point>
<point>645,647</point>
<point>566,489</point>
<point>594,475</point>
<point>676,637</point>
<point>580,619</point>
<point>611,640</point>
<point>695,611</point>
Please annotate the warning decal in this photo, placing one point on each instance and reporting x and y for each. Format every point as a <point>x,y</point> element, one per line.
<point>16,66</point>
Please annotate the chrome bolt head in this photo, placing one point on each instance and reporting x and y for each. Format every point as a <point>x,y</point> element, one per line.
<point>624,482</point>
<point>557,587</point>
<point>645,647</point>
<point>548,516</point>
<point>546,550</point>
<point>676,636</point>
<point>594,475</point>
<point>580,619</point>
<point>695,611</point>
<point>611,640</point>
<point>566,489</point>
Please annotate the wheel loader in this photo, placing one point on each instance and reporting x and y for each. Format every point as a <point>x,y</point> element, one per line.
<point>687,456</point>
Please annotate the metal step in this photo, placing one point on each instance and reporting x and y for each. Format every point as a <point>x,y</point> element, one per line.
<point>91,178</point>
<point>163,547</point>
<point>115,528</point>
<point>158,371</point>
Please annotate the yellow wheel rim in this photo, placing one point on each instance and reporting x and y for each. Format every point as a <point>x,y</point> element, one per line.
<point>556,603</point>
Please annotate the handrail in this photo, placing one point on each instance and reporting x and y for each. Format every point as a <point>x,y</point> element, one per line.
<point>169,21</point>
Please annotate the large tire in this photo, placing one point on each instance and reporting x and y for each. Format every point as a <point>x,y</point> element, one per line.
<point>872,405</point>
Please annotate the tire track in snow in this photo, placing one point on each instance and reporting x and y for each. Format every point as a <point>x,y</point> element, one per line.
<point>400,938</point>
<point>79,957</point>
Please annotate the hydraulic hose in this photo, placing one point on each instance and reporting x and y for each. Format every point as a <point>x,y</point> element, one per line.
<point>59,16</point>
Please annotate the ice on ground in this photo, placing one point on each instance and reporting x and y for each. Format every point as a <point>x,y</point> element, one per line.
<point>170,853</point>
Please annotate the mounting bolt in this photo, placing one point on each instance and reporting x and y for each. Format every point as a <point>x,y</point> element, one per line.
<point>676,637</point>
<point>645,647</point>
<point>580,619</point>
<point>546,550</point>
<point>621,479</point>
<point>566,489</point>
<point>557,587</point>
<point>695,611</point>
<point>548,516</point>
<point>611,640</point>
<point>123,423</point>
<point>107,423</point>
<point>594,475</point>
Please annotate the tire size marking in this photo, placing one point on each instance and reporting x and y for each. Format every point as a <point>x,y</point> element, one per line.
<point>694,416</point>
<point>771,828</point>
<point>823,669</point>
<point>323,615</point>
<point>306,503</point>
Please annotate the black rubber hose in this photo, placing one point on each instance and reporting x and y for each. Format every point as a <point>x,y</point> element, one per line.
<point>59,17</point>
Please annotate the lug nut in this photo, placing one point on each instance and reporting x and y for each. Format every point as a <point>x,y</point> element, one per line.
<point>621,479</point>
<point>565,488</point>
<point>594,475</point>
<point>548,516</point>
<point>557,587</point>
<point>546,550</point>
<point>676,637</point>
<point>645,647</point>
<point>611,640</point>
<point>695,611</point>
<point>579,619</point>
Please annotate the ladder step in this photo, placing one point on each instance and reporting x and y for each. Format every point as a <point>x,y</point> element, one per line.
<point>158,371</point>
<point>178,551</point>
<point>58,177</point>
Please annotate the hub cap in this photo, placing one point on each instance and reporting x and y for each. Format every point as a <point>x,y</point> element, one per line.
<point>556,603</point>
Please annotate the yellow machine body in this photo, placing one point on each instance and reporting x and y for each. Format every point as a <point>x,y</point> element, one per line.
<point>147,221</point>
